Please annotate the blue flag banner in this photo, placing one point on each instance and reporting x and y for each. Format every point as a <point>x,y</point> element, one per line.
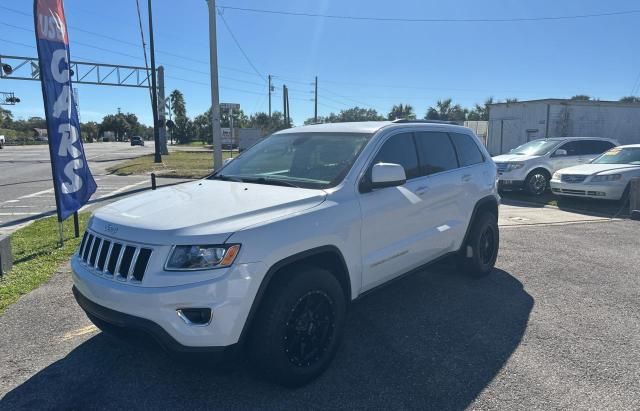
<point>72,179</point>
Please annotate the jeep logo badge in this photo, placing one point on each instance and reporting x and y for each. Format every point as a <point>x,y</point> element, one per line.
<point>110,228</point>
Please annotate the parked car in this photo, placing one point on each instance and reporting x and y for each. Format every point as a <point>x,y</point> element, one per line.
<point>267,253</point>
<point>137,141</point>
<point>2,142</point>
<point>531,165</point>
<point>607,177</point>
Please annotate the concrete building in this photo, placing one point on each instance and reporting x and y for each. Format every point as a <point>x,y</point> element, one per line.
<point>513,124</point>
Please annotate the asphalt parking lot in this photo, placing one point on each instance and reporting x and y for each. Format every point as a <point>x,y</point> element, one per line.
<point>556,325</point>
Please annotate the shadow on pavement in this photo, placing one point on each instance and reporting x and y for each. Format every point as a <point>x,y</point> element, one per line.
<point>433,340</point>
<point>585,206</point>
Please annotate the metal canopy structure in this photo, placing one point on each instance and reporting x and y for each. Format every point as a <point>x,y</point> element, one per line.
<point>8,99</point>
<point>28,68</point>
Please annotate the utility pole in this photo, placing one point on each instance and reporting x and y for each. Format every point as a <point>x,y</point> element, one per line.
<point>315,111</point>
<point>269,95</point>
<point>157,158</point>
<point>284,104</point>
<point>162,112</point>
<point>215,97</point>
<point>287,103</point>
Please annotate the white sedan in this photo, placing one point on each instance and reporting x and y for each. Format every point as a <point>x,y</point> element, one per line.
<point>606,177</point>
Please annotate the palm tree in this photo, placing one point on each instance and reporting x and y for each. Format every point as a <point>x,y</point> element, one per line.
<point>401,111</point>
<point>445,110</point>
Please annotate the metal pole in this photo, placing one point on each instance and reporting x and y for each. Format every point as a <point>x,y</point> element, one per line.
<point>76,225</point>
<point>215,97</point>
<point>157,158</point>
<point>162,113</point>
<point>284,104</point>
<point>269,95</point>
<point>232,131</point>
<point>315,115</point>
<point>61,233</point>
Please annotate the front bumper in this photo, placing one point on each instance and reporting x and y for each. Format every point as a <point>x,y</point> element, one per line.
<point>510,184</point>
<point>585,190</point>
<point>154,309</point>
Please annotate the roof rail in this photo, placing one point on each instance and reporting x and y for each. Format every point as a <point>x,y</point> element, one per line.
<point>407,121</point>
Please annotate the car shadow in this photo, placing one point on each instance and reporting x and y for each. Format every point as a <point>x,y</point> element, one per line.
<point>432,340</point>
<point>584,206</point>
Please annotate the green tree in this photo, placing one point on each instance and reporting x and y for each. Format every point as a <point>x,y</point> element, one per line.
<point>581,97</point>
<point>630,99</point>
<point>445,110</point>
<point>511,100</point>
<point>90,131</point>
<point>268,124</point>
<point>240,120</point>
<point>182,122</point>
<point>349,115</point>
<point>401,111</point>
<point>6,118</point>
<point>481,112</point>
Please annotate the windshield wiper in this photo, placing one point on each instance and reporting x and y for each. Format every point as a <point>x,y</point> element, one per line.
<point>226,178</point>
<point>269,181</point>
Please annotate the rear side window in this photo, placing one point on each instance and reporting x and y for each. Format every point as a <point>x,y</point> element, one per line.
<point>468,151</point>
<point>400,149</point>
<point>436,152</point>
<point>598,146</point>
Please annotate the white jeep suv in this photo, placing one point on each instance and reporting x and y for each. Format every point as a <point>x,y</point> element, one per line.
<point>531,165</point>
<point>267,253</point>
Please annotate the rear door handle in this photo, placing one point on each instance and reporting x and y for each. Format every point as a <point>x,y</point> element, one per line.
<point>422,190</point>
<point>466,177</point>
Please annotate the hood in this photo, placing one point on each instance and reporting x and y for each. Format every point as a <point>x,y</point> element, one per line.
<point>208,210</point>
<point>504,158</point>
<point>589,169</point>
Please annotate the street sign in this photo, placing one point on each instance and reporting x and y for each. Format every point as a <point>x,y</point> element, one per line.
<point>229,106</point>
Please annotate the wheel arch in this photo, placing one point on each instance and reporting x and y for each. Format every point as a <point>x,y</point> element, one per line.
<point>542,168</point>
<point>488,203</point>
<point>328,257</point>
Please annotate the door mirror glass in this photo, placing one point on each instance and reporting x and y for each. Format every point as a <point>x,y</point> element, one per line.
<point>387,175</point>
<point>560,153</point>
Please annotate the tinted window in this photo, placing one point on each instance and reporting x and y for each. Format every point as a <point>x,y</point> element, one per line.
<point>574,148</point>
<point>598,146</point>
<point>468,151</point>
<point>400,149</point>
<point>436,152</point>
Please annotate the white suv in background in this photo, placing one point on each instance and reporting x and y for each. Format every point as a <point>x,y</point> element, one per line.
<point>267,253</point>
<point>531,166</point>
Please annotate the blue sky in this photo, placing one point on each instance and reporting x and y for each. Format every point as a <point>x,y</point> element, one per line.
<point>371,64</point>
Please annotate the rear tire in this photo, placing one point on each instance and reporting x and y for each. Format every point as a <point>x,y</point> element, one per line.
<point>299,326</point>
<point>537,182</point>
<point>479,253</point>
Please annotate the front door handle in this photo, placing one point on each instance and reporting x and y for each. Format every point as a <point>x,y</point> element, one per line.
<point>466,178</point>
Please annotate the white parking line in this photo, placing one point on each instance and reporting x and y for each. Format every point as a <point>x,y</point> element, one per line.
<point>17,214</point>
<point>37,194</point>
<point>122,189</point>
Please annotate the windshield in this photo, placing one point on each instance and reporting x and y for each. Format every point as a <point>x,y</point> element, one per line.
<point>308,160</point>
<point>617,155</point>
<point>535,148</point>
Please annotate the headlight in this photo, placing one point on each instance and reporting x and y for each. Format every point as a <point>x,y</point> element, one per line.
<point>557,176</point>
<point>201,257</point>
<point>514,166</point>
<point>607,177</point>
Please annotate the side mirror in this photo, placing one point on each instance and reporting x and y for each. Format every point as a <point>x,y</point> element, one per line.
<point>227,161</point>
<point>560,153</point>
<point>387,175</point>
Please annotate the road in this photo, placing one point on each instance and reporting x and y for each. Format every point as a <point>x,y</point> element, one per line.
<point>26,191</point>
<point>555,326</point>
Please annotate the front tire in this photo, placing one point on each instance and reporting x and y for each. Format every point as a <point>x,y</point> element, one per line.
<point>479,254</point>
<point>537,182</point>
<point>298,327</point>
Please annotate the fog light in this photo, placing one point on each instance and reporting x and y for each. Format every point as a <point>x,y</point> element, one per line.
<point>195,316</point>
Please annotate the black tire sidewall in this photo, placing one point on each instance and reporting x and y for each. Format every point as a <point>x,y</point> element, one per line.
<point>266,340</point>
<point>474,265</point>
<point>529,188</point>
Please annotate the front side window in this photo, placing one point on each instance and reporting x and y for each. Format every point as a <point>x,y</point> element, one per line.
<point>400,149</point>
<point>307,160</point>
<point>468,151</point>
<point>575,148</point>
<point>436,152</point>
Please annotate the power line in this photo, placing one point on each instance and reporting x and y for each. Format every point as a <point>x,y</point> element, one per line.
<point>235,40</point>
<point>431,20</point>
